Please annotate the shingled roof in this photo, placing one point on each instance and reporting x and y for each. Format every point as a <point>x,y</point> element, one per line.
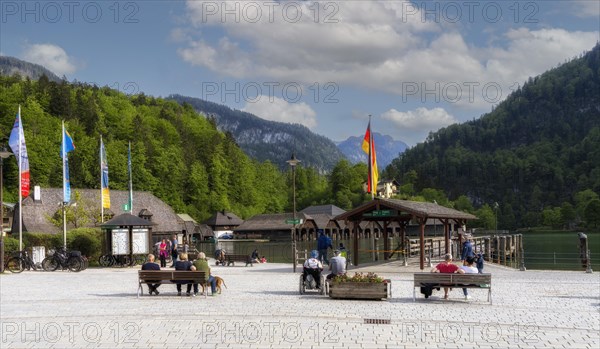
<point>277,221</point>
<point>415,208</point>
<point>36,213</point>
<point>223,218</point>
<point>331,210</point>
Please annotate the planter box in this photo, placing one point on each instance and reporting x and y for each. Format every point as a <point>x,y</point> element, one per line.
<point>359,290</point>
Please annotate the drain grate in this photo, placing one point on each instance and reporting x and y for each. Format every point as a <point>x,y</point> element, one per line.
<point>378,321</point>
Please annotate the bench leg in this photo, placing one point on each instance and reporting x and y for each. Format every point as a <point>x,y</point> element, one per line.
<point>414,294</point>
<point>140,291</point>
<point>490,296</point>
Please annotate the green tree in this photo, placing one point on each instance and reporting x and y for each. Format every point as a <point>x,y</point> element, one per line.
<point>592,214</point>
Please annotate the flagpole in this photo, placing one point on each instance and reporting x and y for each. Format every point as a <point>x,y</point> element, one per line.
<point>64,208</point>
<point>130,183</point>
<point>371,158</point>
<point>20,184</point>
<point>101,185</point>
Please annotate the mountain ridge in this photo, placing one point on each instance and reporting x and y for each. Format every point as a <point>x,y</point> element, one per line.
<point>386,147</point>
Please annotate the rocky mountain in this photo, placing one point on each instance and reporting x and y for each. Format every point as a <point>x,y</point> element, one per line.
<point>269,140</point>
<point>386,147</point>
<point>10,66</point>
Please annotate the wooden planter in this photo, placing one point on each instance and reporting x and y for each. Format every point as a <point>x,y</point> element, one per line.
<point>359,290</point>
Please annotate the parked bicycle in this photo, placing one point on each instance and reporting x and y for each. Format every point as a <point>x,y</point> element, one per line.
<point>21,261</point>
<point>66,260</point>
<point>110,260</point>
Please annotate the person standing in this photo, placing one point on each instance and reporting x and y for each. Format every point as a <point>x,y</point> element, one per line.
<point>150,265</point>
<point>479,261</point>
<point>467,250</point>
<point>163,252</point>
<point>323,244</point>
<point>174,252</point>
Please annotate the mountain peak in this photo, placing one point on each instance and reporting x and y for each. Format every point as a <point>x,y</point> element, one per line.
<point>387,149</point>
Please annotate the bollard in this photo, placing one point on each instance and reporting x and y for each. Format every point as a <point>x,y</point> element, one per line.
<point>589,270</point>
<point>522,267</point>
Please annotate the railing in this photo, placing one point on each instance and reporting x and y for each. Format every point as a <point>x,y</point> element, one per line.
<point>557,261</point>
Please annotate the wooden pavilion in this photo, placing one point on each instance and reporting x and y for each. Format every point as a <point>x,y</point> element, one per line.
<point>386,211</point>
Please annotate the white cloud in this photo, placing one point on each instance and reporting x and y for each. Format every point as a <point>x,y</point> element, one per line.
<point>372,45</point>
<point>414,125</point>
<point>421,119</point>
<point>52,57</point>
<point>586,8</point>
<point>278,109</point>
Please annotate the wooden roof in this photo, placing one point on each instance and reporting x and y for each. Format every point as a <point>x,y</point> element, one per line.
<point>277,221</point>
<point>404,207</point>
<point>127,219</point>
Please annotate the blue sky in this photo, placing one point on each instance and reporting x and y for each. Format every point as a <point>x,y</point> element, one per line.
<point>414,66</point>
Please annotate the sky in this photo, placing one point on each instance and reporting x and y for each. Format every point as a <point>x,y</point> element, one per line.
<point>415,67</point>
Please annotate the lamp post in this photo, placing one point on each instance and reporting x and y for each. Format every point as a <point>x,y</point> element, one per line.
<point>4,153</point>
<point>496,217</point>
<point>293,162</point>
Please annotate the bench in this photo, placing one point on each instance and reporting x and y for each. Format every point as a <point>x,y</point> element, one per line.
<point>171,277</point>
<point>230,259</point>
<point>436,280</point>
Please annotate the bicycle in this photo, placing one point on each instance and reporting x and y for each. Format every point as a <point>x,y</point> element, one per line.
<point>64,259</point>
<point>20,261</point>
<point>109,260</point>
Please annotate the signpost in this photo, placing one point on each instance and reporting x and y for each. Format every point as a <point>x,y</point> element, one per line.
<point>381,213</point>
<point>293,221</point>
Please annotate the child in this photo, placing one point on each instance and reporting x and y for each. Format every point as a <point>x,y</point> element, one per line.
<point>263,259</point>
<point>480,262</point>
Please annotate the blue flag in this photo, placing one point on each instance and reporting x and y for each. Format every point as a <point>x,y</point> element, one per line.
<point>67,146</point>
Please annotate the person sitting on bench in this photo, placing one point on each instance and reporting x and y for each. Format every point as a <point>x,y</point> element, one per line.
<point>337,265</point>
<point>447,267</point>
<point>313,267</point>
<point>150,265</point>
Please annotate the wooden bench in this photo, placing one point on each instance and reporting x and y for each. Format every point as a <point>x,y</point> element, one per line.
<point>230,259</point>
<point>171,277</point>
<point>436,280</point>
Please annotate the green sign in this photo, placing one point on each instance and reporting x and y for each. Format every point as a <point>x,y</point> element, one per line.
<point>381,213</point>
<point>125,207</point>
<point>293,221</point>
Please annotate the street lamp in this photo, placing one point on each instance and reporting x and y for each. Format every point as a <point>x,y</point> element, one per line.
<point>496,206</point>
<point>4,153</point>
<point>293,162</point>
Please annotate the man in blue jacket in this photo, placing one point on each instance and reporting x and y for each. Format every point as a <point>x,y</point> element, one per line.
<point>323,244</point>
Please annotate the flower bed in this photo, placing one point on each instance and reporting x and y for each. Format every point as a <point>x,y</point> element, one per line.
<point>360,286</point>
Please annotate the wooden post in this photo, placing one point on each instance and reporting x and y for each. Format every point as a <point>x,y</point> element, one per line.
<point>422,243</point>
<point>355,242</point>
<point>386,244</point>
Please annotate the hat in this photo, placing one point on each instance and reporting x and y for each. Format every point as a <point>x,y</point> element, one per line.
<point>336,252</point>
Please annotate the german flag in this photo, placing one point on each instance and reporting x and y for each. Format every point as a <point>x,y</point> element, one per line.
<point>368,146</point>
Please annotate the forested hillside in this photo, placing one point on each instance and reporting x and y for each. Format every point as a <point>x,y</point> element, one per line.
<point>534,153</point>
<point>270,140</point>
<point>177,154</point>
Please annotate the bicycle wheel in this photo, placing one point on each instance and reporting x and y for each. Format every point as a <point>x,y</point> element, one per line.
<point>139,259</point>
<point>105,260</point>
<point>74,264</point>
<point>15,265</point>
<point>50,264</point>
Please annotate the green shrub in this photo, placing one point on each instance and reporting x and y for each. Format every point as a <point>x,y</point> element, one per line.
<point>86,240</point>
<point>11,245</point>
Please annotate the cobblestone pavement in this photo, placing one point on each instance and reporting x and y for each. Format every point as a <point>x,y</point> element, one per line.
<point>262,308</point>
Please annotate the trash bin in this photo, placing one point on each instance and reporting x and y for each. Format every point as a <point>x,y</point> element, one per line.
<point>38,253</point>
